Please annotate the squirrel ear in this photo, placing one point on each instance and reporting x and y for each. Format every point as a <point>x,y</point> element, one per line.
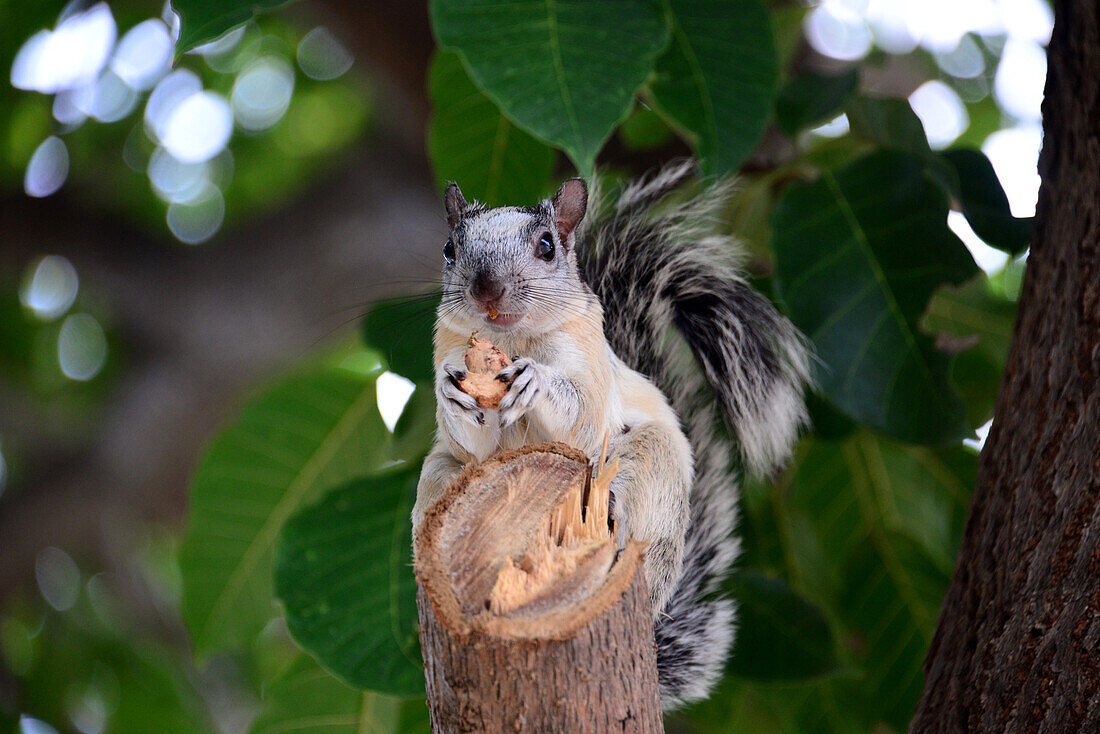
<point>570,203</point>
<point>455,203</point>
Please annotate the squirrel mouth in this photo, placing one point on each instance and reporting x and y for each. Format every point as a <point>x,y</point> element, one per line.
<point>496,318</point>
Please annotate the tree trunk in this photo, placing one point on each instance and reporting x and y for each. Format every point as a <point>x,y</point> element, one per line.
<point>530,617</point>
<point>1017,648</point>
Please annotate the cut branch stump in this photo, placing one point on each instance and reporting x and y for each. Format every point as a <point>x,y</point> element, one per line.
<point>531,617</point>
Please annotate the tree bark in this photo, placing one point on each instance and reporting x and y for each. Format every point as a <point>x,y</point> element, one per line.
<point>1017,647</point>
<point>524,625</point>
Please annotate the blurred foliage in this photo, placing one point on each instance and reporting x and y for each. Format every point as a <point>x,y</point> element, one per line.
<point>718,78</point>
<point>258,169</point>
<point>298,506</point>
<point>470,140</point>
<point>307,700</point>
<point>544,80</point>
<point>811,98</point>
<point>355,613</point>
<point>309,433</point>
<point>203,20</point>
<point>80,667</point>
<point>858,296</point>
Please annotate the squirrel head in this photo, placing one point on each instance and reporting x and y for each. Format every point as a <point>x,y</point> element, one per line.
<point>512,268</point>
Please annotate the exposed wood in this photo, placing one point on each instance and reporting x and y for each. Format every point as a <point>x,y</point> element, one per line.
<point>1017,648</point>
<point>531,618</point>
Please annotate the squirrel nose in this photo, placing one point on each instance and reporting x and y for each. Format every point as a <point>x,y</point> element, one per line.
<point>484,287</point>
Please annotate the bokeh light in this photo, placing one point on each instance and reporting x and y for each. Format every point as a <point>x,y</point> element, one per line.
<point>941,112</point>
<point>171,19</point>
<point>845,29</point>
<point>836,29</point>
<point>1014,153</point>
<point>989,259</point>
<point>834,128</point>
<point>166,96</point>
<point>393,392</point>
<point>91,705</point>
<point>58,578</point>
<point>47,169</point>
<point>197,220</point>
<point>961,36</point>
<point>50,287</point>
<point>144,54</point>
<point>221,45</point>
<point>29,725</point>
<point>175,181</point>
<point>108,99</point>
<point>965,61</point>
<point>261,94</point>
<point>1020,78</point>
<point>66,112</point>
<point>889,24</point>
<point>81,347</point>
<point>98,72</point>
<point>322,57</point>
<point>70,56</point>
<point>198,128</point>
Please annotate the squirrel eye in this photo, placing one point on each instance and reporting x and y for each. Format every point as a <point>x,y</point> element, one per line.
<point>449,252</point>
<point>545,248</point>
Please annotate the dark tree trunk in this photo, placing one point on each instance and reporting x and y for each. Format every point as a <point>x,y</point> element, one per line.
<point>1018,643</point>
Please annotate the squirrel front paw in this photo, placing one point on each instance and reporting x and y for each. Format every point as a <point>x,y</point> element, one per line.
<point>526,377</point>
<point>457,404</point>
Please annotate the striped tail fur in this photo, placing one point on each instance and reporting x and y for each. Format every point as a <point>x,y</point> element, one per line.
<point>678,310</point>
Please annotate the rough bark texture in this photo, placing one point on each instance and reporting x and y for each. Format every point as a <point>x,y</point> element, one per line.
<point>1017,648</point>
<point>584,662</point>
<point>601,680</point>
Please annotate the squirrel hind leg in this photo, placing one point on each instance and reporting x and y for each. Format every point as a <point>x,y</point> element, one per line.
<point>651,501</point>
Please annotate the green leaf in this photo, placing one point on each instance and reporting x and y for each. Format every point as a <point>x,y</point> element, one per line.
<point>891,123</point>
<point>819,706</point>
<point>415,430</point>
<point>308,700</point>
<point>872,490</point>
<point>204,20</point>
<point>471,141</point>
<point>868,529</point>
<point>872,528</point>
<point>889,602</point>
<point>401,330</point>
<point>977,321</point>
<point>811,98</point>
<point>344,576</point>
<point>985,204</point>
<point>85,663</point>
<point>827,421</point>
<point>644,130</point>
<point>719,77</point>
<point>790,21</point>
<point>564,70</point>
<point>302,436</point>
<point>859,254</point>
<point>780,635</point>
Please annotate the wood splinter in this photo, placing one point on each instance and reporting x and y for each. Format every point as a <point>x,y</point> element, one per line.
<point>531,617</point>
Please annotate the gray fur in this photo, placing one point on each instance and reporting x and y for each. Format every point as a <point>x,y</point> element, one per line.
<point>656,268</point>
<point>759,364</point>
<point>653,279</point>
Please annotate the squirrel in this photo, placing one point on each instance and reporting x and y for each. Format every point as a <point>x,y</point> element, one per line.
<point>629,324</point>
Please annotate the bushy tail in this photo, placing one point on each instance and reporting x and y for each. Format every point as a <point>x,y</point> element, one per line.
<point>677,309</point>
